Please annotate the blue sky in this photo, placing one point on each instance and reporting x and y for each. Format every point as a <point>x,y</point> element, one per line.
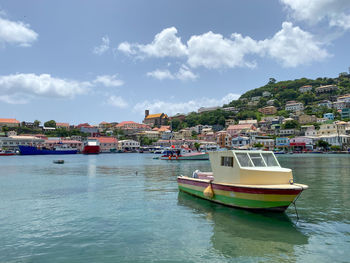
<point>93,61</point>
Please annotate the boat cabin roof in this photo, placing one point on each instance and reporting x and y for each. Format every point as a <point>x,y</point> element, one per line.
<point>250,159</point>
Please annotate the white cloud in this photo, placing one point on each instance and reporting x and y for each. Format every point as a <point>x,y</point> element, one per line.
<point>16,33</point>
<point>126,48</point>
<point>117,101</point>
<point>293,46</point>
<point>172,108</point>
<point>335,12</point>
<point>165,44</point>
<point>108,81</point>
<point>30,85</point>
<point>183,74</point>
<point>104,47</point>
<point>213,51</point>
<point>161,74</point>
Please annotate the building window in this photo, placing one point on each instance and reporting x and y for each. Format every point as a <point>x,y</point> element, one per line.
<point>227,161</point>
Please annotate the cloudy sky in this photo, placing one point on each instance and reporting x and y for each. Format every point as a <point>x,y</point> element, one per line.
<point>93,61</point>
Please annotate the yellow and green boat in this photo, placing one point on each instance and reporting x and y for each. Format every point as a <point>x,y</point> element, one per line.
<point>244,179</point>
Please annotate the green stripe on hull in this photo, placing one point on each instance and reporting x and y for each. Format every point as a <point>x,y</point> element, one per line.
<point>238,202</point>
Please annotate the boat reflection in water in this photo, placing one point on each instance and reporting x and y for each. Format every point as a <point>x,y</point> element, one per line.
<point>241,233</point>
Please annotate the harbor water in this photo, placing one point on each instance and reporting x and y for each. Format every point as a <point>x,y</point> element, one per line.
<point>127,208</point>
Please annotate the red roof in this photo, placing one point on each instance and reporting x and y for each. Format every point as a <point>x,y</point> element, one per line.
<point>9,121</point>
<point>62,124</point>
<point>107,139</point>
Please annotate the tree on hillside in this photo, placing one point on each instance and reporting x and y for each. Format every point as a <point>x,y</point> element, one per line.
<point>272,81</point>
<point>292,124</point>
<point>36,123</point>
<point>51,123</point>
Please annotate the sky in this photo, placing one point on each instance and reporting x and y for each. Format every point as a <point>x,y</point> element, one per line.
<point>93,61</point>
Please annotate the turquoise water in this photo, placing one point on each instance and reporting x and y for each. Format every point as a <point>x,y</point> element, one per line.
<point>127,208</point>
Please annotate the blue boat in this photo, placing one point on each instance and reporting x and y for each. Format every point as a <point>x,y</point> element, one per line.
<point>32,150</point>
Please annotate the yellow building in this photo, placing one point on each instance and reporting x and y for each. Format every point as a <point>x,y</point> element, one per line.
<point>155,120</point>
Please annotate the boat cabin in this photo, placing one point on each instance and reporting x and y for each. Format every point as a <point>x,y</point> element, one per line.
<point>248,167</point>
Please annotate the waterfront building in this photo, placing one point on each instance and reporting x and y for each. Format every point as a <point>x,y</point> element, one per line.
<point>336,140</point>
<point>305,88</point>
<point>282,142</point>
<point>326,88</point>
<point>329,116</point>
<point>167,135</point>
<point>12,142</point>
<point>9,123</point>
<point>209,137</point>
<point>301,143</point>
<point>107,144</point>
<point>268,110</point>
<point>128,145</point>
<point>294,106</point>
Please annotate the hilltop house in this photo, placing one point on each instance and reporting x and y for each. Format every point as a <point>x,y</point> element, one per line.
<point>155,120</point>
<point>326,88</point>
<point>9,123</point>
<point>305,88</point>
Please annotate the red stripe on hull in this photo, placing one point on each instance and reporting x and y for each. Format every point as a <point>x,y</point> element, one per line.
<point>239,189</point>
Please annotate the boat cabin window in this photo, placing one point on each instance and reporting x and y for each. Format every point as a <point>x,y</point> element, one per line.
<point>227,161</point>
<point>244,159</point>
<point>269,159</point>
<point>257,160</point>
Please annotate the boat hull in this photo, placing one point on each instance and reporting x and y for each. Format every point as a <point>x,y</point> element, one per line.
<point>91,149</point>
<point>31,150</point>
<point>251,198</point>
<point>203,156</point>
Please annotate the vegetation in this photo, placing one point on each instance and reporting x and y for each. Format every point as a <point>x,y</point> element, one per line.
<point>51,123</point>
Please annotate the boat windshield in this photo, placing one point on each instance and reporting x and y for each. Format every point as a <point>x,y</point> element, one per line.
<point>257,160</point>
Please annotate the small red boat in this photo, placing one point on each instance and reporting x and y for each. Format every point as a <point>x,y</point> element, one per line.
<point>92,147</point>
<point>7,153</point>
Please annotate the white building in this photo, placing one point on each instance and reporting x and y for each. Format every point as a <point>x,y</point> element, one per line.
<point>128,145</point>
<point>325,103</point>
<point>12,142</point>
<point>266,94</point>
<point>305,88</point>
<point>294,106</point>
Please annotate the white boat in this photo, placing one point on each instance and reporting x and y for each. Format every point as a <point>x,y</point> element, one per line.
<point>183,154</point>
